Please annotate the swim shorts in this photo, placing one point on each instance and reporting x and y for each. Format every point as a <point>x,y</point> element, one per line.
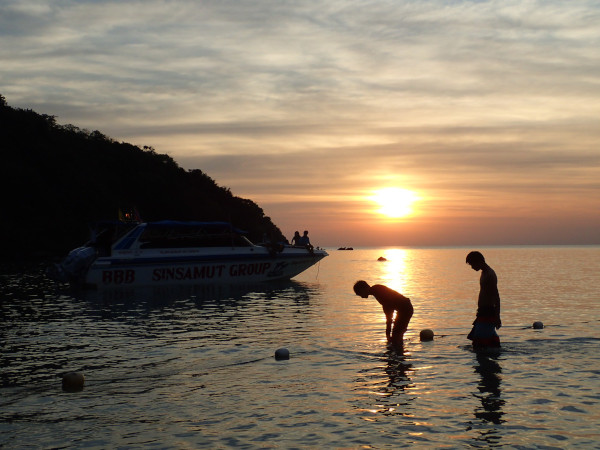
<point>484,334</point>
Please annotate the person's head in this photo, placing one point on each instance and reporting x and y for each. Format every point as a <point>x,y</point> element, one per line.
<point>296,233</point>
<point>305,233</point>
<point>361,288</point>
<point>476,260</point>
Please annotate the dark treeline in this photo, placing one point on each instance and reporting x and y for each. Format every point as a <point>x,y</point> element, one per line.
<point>57,179</point>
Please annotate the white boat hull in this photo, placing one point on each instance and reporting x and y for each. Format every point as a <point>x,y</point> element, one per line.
<point>158,270</point>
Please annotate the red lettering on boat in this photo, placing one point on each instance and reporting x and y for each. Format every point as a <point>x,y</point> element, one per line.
<point>118,276</point>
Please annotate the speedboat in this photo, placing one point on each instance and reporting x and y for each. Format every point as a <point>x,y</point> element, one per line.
<point>174,252</point>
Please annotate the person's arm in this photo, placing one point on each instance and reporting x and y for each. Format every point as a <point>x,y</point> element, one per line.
<point>495,297</point>
<point>389,320</point>
<point>489,294</point>
<point>498,320</point>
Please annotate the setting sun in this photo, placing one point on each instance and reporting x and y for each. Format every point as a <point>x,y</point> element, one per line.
<point>394,202</point>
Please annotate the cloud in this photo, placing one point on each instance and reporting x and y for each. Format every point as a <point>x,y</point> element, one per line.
<point>465,101</point>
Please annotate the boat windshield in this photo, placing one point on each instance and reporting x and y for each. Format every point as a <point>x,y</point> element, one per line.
<point>200,235</point>
<point>105,234</point>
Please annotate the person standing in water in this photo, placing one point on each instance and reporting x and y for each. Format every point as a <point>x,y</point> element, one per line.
<point>487,319</point>
<point>397,309</point>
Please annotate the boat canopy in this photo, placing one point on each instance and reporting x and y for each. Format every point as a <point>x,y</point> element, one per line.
<point>179,234</point>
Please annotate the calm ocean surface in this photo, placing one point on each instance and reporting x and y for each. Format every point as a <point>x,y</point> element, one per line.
<point>195,368</point>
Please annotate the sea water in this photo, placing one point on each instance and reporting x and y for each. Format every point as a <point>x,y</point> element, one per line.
<point>194,367</point>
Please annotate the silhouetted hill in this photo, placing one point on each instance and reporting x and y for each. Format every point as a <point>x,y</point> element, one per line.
<point>56,179</point>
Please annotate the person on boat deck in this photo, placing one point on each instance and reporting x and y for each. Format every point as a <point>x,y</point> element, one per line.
<point>296,238</point>
<point>304,240</point>
<point>487,319</point>
<point>397,308</point>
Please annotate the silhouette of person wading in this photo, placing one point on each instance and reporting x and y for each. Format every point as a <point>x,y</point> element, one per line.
<point>487,319</point>
<point>397,308</point>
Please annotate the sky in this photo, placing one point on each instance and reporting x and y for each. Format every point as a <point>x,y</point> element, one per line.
<point>487,113</point>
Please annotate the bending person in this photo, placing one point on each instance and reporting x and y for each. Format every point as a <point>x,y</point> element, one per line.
<point>397,308</point>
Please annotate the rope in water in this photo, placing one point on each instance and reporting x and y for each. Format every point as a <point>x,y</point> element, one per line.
<point>427,334</point>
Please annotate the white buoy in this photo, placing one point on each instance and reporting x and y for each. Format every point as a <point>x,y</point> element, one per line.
<point>73,382</point>
<point>538,325</point>
<point>426,335</point>
<point>282,353</point>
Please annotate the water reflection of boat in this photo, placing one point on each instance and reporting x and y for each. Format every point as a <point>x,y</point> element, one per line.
<point>170,252</point>
<point>164,295</point>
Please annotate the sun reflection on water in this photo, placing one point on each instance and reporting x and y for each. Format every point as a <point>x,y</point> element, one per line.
<point>395,271</point>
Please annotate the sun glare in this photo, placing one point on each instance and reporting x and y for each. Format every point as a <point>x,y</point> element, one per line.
<point>394,202</point>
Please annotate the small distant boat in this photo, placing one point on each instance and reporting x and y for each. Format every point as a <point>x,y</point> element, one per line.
<point>173,252</point>
<point>345,248</point>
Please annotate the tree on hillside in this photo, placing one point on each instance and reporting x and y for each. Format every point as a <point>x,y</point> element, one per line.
<point>55,179</point>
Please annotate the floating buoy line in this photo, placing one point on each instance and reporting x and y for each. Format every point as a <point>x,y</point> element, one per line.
<point>75,381</point>
<point>427,334</point>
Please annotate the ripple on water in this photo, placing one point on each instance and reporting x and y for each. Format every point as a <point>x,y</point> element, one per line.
<point>195,367</point>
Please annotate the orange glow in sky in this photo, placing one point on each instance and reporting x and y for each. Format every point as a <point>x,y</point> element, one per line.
<point>393,135</point>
